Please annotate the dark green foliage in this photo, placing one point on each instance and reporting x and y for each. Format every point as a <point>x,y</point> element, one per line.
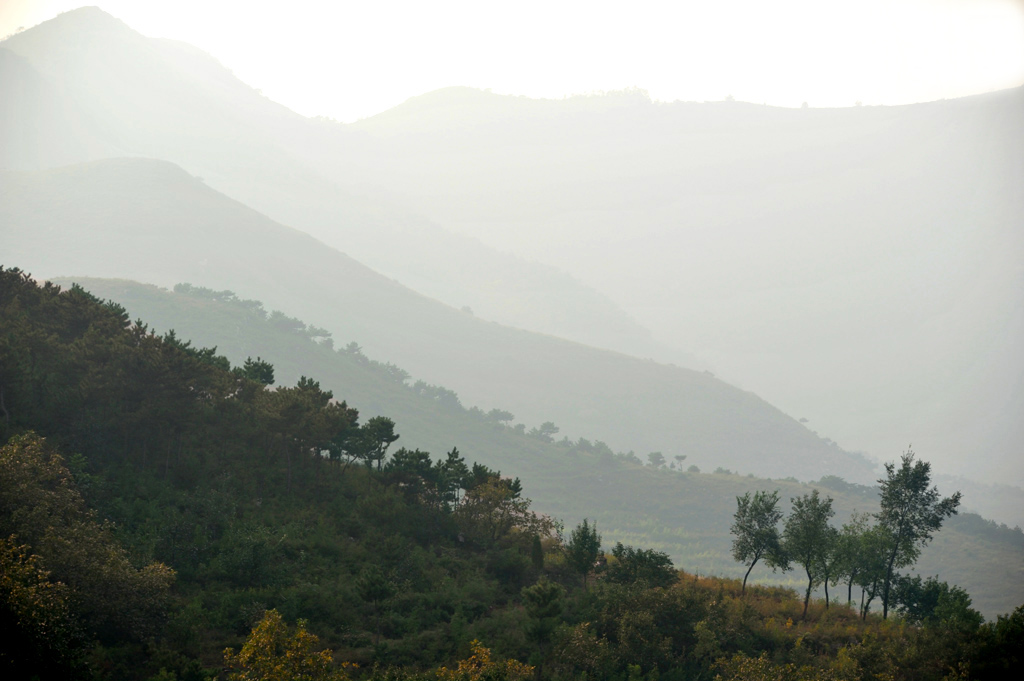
<point>41,506</point>
<point>537,553</point>
<point>809,540</point>
<point>1001,653</point>
<point>582,549</point>
<point>543,602</point>
<point>377,435</point>
<point>686,516</point>
<point>257,370</point>
<point>632,565</point>
<point>376,588</point>
<point>245,492</point>
<point>934,602</point>
<point>910,513</point>
<point>242,490</point>
<point>756,529</point>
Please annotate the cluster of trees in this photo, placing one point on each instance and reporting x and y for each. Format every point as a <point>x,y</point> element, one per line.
<point>860,552</point>
<point>697,628</point>
<point>64,577</point>
<point>158,506</point>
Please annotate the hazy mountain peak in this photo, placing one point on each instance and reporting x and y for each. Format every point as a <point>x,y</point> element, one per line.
<point>459,106</point>
<point>85,42</point>
<point>74,27</point>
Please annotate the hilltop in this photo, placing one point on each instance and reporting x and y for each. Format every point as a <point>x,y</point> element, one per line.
<point>150,221</point>
<point>686,515</point>
<point>108,92</point>
<point>808,255</point>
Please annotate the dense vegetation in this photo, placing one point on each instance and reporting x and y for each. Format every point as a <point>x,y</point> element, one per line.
<point>672,505</point>
<point>159,505</point>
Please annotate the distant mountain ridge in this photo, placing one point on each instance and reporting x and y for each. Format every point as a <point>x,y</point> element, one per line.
<point>149,220</point>
<point>859,267</point>
<point>128,95</point>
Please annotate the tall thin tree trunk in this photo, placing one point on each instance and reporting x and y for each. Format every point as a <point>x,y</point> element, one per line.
<point>807,597</point>
<point>744,589</point>
<point>885,587</point>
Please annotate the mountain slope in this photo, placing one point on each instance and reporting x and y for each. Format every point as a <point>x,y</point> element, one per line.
<point>860,267</point>
<point>686,515</point>
<point>137,96</point>
<point>150,221</point>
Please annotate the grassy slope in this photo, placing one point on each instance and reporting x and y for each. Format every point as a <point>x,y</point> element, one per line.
<point>686,515</point>
<point>150,221</point>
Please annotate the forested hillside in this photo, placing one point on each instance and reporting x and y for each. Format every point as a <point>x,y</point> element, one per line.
<point>150,221</point>
<point>239,506</point>
<point>684,514</point>
<point>492,388</point>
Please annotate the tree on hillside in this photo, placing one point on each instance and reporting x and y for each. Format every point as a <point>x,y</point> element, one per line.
<point>256,370</point>
<point>543,603</point>
<point>583,548</point>
<point>545,432</point>
<point>378,434</point>
<point>757,533</point>
<point>933,602</point>
<point>453,476</point>
<point>808,538</point>
<point>41,636</point>
<point>41,507</point>
<point>634,565</point>
<point>413,471</point>
<point>910,513</point>
<point>273,653</point>
<point>871,566</point>
<point>376,588</point>
<point>850,548</point>
<point>499,416</point>
<point>495,510</point>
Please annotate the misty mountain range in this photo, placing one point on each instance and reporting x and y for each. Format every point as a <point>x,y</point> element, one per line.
<point>705,235</point>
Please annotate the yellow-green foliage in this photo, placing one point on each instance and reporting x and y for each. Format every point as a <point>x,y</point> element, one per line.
<point>481,666</point>
<point>40,505</point>
<point>273,653</point>
<point>44,630</point>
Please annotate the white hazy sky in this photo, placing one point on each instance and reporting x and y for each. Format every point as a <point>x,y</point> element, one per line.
<point>349,60</point>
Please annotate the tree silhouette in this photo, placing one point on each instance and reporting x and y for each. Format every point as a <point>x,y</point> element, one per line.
<point>757,534</point>
<point>910,513</point>
<point>583,548</point>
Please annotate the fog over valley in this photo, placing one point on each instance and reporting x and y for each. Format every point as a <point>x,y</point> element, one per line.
<point>634,279</point>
